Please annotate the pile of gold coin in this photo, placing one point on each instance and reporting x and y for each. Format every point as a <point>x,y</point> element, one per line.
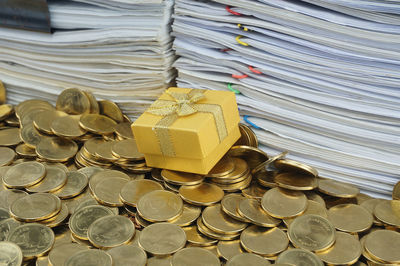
<point>76,191</point>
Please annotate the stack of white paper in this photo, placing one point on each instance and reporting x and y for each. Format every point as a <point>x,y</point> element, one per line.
<point>320,78</point>
<point>119,50</point>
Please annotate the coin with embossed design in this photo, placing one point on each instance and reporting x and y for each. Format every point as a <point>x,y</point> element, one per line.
<point>24,175</point>
<point>34,239</point>
<point>83,218</point>
<point>160,205</point>
<point>111,231</point>
<point>10,254</point>
<point>91,257</point>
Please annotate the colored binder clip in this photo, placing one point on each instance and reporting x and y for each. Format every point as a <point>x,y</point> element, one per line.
<point>246,119</point>
<point>241,42</point>
<point>239,76</point>
<point>232,89</point>
<point>225,50</point>
<point>254,70</point>
<point>240,26</point>
<point>228,8</point>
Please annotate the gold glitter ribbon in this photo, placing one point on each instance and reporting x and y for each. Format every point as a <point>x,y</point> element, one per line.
<point>183,104</point>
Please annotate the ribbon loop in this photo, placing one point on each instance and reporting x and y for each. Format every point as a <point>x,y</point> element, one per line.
<point>182,104</point>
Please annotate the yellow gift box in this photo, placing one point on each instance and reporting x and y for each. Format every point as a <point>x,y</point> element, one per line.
<point>188,130</point>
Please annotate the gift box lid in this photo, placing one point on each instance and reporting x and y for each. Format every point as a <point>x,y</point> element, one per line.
<point>212,116</point>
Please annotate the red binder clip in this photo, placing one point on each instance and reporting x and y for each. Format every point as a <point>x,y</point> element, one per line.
<point>231,11</point>
<point>254,70</point>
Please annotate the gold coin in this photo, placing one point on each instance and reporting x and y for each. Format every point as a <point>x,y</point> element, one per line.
<point>107,191</point>
<point>91,202</point>
<point>196,238</point>
<point>59,255</point>
<point>212,234</point>
<point>233,187</point>
<point>253,156</point>
<point>124,130</point>
<point>202,195</point>
<point>160,205</point>
<point>81,219</point>
<point>104,151</point>
<point>337,189</point>
<point>25,151</point>
<point>345,251</point>
<point>7,155</point>
<point>94,105</point>
<point>30,136</point>
<point>5,111</point>
<point>350,218</point>
<point>241,168</point>
<point>299,257</point>
<point>280,203</point>
<point>98,124</point>
<point>361,197</point>
<point>262,166</point>
<point>127,149</point>
<point>11,254</point>
<point>383,246</point>
<point>189,214</point>
<point>111,231</point>
<point>312,232</point>
<point>91,145</point>
<point>264,241</point>
<point>159,261</point>
<point>35,207</point>
<point>140,221</point>
<point>135,189</point>
<point>181,178</point>
<point>247,258</point>
<point>229,249</point>
<point>162,239</point>
<point>34,239</point>
<point>43,120</point>
<point>8,196</point>
<point>54,179</point>
<point>58,219</point>
<point>90,257</point>
<point>295,181</point>
<point>12,121</point>
<point>313,207</point>
<point>214,218</point>
<point>230,204</point>
<point>388,212</point>
<point>27,106</point>
<point>128,255</point>
<point>111,109</point>
<point>286,165</point>
<point>89,171</point>
<point>6,226</point>
<point>67,126</point>
<point>254,191</point>
<point>9,136</point>
<point>311,195</point>
<point>396,191</point>
<point>2,93</point>
<point>370,205</point>
<point>100,176</point>
<point>248,137</point>
<point>251,210</point>
<point>225,166</point>
<point>56,149</point>
<point>194,256</point>
<point>76,183</point>
<point>24,174</point>
<point>73,101</point>
<point>266,178</point>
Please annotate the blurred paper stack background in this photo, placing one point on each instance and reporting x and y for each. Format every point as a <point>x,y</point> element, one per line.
<point>119,50</point>
<point>319,78</point>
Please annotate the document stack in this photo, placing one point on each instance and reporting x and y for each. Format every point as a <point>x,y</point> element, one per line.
<point>118,50</point>
<point>318,78</point>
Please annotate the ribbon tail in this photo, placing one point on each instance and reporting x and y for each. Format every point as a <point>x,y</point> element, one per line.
<point>161,130</point>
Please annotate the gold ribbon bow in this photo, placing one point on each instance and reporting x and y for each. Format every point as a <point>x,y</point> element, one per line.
<point>183,104</point>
